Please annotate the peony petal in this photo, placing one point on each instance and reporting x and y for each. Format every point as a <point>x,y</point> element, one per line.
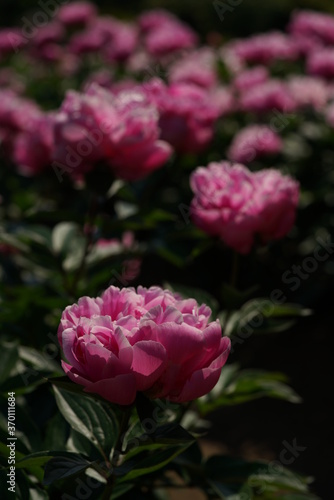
<point>182,342</point>
<point>149,361</point>
<point>120,390</point>
<point>203,381</point>
<point>73,375</point>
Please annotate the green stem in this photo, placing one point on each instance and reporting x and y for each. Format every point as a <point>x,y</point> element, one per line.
<point>123,428</point>
<point>108,489</point>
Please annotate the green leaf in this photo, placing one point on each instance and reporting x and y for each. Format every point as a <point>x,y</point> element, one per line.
<point>69,242</point>
<point>155,461</point>
<point>266,480</point>
<point>35,459</point>
<point>61,467</point>
<point>79,443</point>
<point>88,417</point>
<point>38,361</point>
<point>56,433</point>
<point>235,387</point>
<point>261,316</point>
<point>9,358</point>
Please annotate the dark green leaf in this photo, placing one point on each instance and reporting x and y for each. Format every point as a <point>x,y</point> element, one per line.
<point>88,417</point>
<point>9,358</point>
<point>61,467</point>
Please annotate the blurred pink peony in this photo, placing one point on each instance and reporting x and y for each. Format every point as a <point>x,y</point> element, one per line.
<point>17,115</point>
<point>321,63</point>
<point>235,204</point>
<point>312,24</point>
<point>115,40</point>
<point>104,248</point>
<point>250,77</point>
<point>122,131</point>
<point>32,148</point>
<point>77,13</point>
<point>187,113</point>
<point>11,41</point>
<point>198,67</point>
<point>164,33</point>
<point>149,340</point>
<point>53,32</point>
<point>272,95</point>
<point>265,48</point>
<point>253,142</point>
<point>309,91</point>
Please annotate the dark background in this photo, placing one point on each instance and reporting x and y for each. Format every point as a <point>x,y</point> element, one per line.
<point>305,353</point>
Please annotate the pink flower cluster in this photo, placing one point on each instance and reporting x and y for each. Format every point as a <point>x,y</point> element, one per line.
<point>265,48</point>
<point>120,130</point>
<point>25,133</point>
<point>313,25</point>
<point>149,341</point>
<point>165,33</point>
<point>253,142</point>
<point>237,205</point>
<point>187,112</point>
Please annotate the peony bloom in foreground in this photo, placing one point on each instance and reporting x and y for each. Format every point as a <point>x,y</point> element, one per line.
<point>149,340</point>
<point>237,205</point>
<point>253,142</point>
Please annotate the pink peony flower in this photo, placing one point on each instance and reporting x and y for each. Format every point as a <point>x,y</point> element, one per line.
<point>312,24</point>
<point>235,204</point>
<point>250,77</point>
<point>11,41</point>
<point>149,340</point>
<point>32,148</point>
<point>77,13</point>
<point>17,115</point>
<point>252,142</point>
<point>115,40</point>
<point>309,91</point>
<point>321,63</point>
<point>196,68</point>
<point>121,131</point>
<point>164,33</point>
<point>123,42</point>
<point>53,32</point>
<point>265,48</point>
<point>268,96</point>
<point>187,113</point>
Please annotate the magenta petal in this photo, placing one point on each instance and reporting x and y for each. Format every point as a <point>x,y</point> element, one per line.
<point>203,381</point>
<point>75,377</point>
<point>149,361</point>
<point>69,340</point>
<point>181,342</point>
<point>120,390</point>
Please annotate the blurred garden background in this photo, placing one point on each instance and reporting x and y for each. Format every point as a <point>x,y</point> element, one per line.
<point>300,343</point>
